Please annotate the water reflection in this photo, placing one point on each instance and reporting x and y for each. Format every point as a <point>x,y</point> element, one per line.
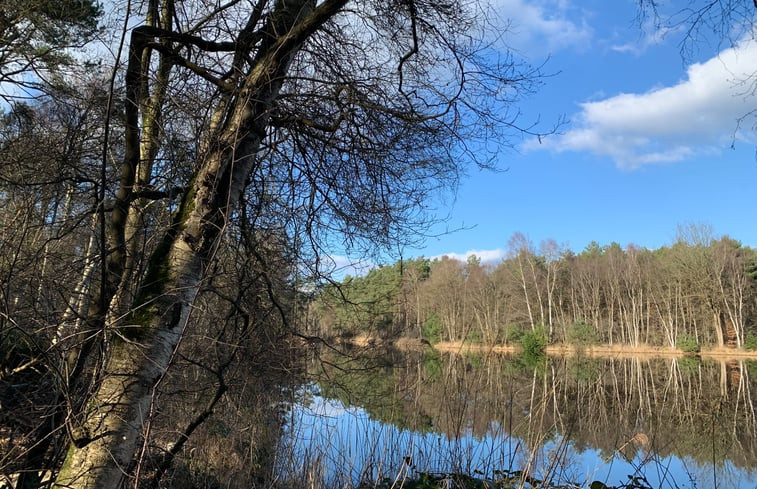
<point>678,422</point>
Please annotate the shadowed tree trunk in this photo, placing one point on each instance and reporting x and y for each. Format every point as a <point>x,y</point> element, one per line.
<point>142,347</point>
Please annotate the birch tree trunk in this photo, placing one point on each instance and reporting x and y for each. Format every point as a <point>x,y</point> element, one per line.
<point>141,348</point>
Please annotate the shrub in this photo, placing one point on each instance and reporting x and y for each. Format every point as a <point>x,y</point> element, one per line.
<point>533,360</point>
<point>689,365</point>
<point>432,364</point>
<point>752,369</point>
<point>582,333</point>
<point>687,343</point>
<point>512,334</point>
<point>750,342</point>
<point>585,370</point>
<point>432,329</point>
<point>534,342</point>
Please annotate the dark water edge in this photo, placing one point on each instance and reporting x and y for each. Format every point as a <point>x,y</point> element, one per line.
<point>677,422</point>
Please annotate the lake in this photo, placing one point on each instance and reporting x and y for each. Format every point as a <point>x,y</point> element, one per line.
<point>676,422</point>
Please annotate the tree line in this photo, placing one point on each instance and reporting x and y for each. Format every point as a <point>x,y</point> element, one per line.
<point>699,291</point>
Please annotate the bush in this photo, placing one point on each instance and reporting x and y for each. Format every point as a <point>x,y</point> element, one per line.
<point>687,343</point>
<point>512,334</point>
<point>689,365</point>
<point>533,361</point>
<point>750,342</point>
<point>432,329</point>
<point>751,367</point>
<point>585,370</point>
<point>534,342</point>
<point>582,333</point>
<point>432,364</point>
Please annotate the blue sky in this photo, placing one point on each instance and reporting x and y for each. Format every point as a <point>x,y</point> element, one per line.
<point>651,142</point>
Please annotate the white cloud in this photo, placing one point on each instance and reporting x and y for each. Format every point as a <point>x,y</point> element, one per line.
<point>668,124</point>
<point>541,27</point>
<point>486,256</point>
<point>340,266</point>
<point>652,36</point>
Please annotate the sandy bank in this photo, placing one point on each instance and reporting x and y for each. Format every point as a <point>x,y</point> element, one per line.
<point>602,351</point>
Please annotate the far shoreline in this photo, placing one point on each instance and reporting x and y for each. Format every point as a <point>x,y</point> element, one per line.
<point>558,349</point>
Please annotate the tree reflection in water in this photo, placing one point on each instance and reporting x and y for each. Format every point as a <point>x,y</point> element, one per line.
<point>680,422</point>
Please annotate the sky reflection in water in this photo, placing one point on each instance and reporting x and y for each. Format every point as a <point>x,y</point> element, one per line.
<point>339,446</point>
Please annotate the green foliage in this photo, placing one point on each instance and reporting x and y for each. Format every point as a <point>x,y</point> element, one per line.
<point>585,370</point>
<point>582,333</point>
<point>367,303</point>
<point>751,367</point>
<point>533,355</point>
<point>35,34</point>
<point>57,22</point>
<point>592,249</point>
<point>534,342</point>
<point>419,268</point>
<point>679,270</point>
<point>533,360</point>
<point>432,364</point>
<point>432,329</point>
<point>512,334</point>
<point>367,381</point>
<point>687,343</point>
<point>750,342</point>
<point>689,365</point>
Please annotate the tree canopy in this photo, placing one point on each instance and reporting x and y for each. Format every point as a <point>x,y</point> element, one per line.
<point>34,37</point>
<point>700,291</point>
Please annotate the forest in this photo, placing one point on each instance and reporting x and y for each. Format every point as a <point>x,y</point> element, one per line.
<point>175,177</point>
<point>699,292</point>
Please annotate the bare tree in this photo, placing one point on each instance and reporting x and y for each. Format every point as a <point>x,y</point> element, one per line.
<point>319,122</point>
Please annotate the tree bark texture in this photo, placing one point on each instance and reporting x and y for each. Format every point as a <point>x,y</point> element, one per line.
<point>142,346</point>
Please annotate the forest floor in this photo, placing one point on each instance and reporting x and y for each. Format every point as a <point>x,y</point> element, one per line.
<point>564,349</point>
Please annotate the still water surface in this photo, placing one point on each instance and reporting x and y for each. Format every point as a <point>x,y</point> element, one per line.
<point>676,422</point>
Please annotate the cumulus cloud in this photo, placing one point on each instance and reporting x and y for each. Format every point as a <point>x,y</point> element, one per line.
<point>668,124</point>
<point>486,256</point>
<point>541,27</point>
